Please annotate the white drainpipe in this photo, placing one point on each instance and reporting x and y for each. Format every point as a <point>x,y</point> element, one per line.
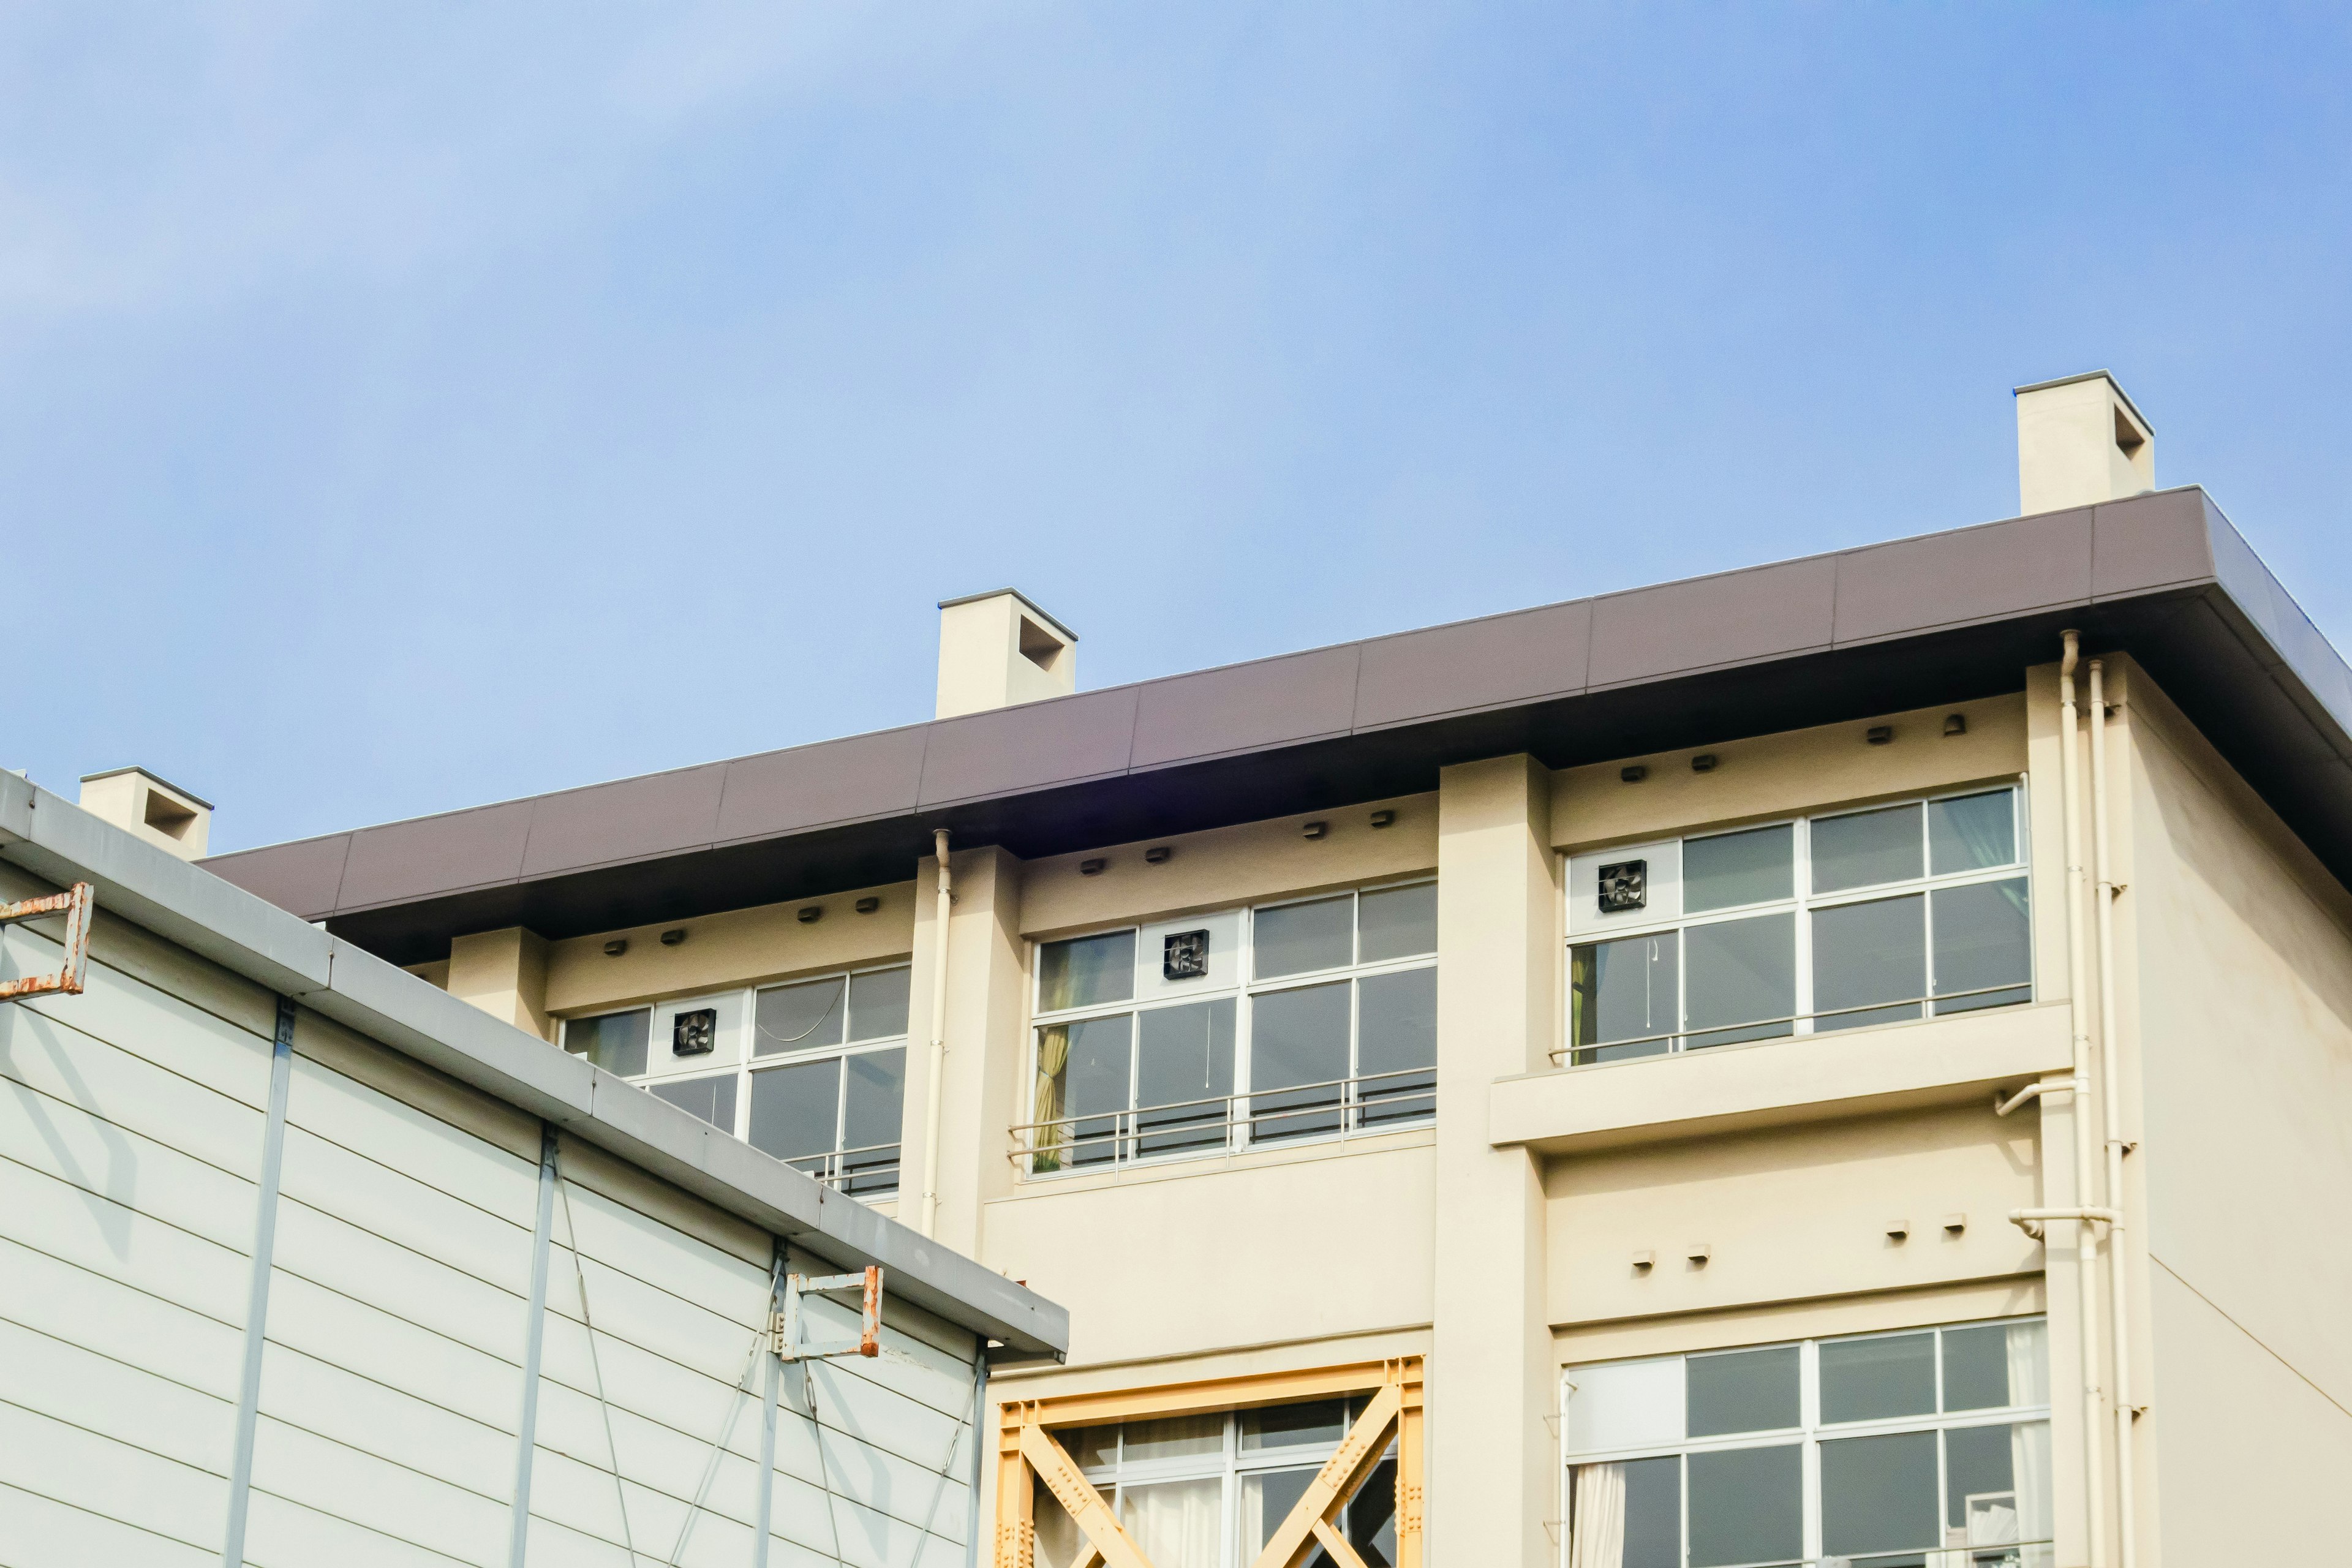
<point>2070,774</point>
<point>2110,1104</point>
<point>929,1217</point>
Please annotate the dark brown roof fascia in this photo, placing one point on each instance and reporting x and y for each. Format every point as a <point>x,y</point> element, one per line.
<point>1938,618</point>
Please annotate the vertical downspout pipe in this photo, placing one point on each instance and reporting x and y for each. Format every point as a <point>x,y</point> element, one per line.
<point>936,1087</point>
<point>2111,1105</point>
<point>2078,1001</point>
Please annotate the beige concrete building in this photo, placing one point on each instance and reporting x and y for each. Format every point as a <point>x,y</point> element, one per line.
<point>1843,1062</point>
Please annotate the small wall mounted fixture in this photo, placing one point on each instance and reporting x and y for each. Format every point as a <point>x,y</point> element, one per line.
<point>617,946</point>
<point>1158,855</point>
<point>867,906</point>
<point>1879,734</point>
<point>1633,773</point>
<point>1384,818</point>
<point>673,936</point>
<point>1956,723</point>
<point>1314,830</point>
<point>1703,763</point>
<point>1093,868</point>
<point>808,914</point>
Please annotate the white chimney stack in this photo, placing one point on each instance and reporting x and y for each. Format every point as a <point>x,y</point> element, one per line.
<point>2079,442</point>
<point>163,814</point>
<point>997,649</point>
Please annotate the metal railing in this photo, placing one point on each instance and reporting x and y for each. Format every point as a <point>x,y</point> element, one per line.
<point>1740,1031</point>
<point>867,1172</point>
<point>2009,1555</point>
<point>1336,1107</point>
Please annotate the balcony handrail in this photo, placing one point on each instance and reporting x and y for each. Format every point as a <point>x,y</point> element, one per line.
<point>836,1170</point>
<point>1129,1123</point>
<point>1691,1031</point>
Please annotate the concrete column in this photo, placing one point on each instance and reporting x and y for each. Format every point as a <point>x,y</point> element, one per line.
<point>1491,1369</point>
<point>985,1055</point>
<point>504,972</point>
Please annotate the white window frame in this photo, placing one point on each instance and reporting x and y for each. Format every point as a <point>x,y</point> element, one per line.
<point>1801,905</point>
<point>1246,986</point>
<point>1231,1464</point>
<point>1811,1431</point>
<point>832,1172</point>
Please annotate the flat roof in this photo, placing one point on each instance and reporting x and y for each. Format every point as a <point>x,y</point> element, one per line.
<point>1942,617</point>
<point>57,841</point>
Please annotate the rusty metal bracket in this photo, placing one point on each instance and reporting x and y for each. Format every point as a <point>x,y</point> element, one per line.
<point>790,1346</point>
<point>76,904</point>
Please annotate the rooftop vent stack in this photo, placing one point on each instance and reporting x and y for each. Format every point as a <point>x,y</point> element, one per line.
<point>2079,442</point>
<point>163,814</point>
<point>997,649</point>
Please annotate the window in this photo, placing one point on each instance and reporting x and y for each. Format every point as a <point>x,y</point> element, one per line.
<point>1886,1451</point>
<point>814,1072</point>
<point>1833,921</point>
<point>1311,1019</point>
<point>1206,1491</point>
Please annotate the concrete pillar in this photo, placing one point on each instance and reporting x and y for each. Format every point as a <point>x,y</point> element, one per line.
<point>504,972</point>
<point>981,1090</point>
<point>1491,1482</point>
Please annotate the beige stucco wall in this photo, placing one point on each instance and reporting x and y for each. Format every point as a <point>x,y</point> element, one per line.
<point>1790,1215</point>
<point>2238,971</point>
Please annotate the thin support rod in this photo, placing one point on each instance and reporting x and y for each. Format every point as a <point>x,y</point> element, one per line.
<point>535,1342</point>
<point>2111,1106</point>
<point>256,1304</point>
<point>2078,1001</point>
<point>774,1379</point>
<point>978,1451</point>
<point>934,1090</point>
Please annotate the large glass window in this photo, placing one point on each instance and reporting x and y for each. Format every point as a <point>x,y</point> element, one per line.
<point>1924,1449</point>
<point>812,1072</point>
<point>1309,1019</point>
<point>1207,1491</point>
<point>1835,921</point>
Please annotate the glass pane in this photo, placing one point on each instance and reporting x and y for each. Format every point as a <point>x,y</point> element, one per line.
<point>870,1118</point>
<point>1972,832</point>
<point>1746,1505</point>
<point>1176,1437</point>
<point>712,1098</point>
<point>1878,1494</point>
<point>878,1005</point>
<point>1627,1515</point>
<point>797,1017</point>
<point>1863,1380</point>
<point>795,1111</point>
<point>1369,1523</point>
<point>1267,1497</point>
<point>1750,867</point>
<point>1086,970</point>
<point>1185,1063</point>
<point>1980,1484</point>
<point>1398,923</point>
<point>1622,997</point>
<point>1741,971</point>
<point>1983,949</point>
<point>1745,1391</point>
<point>1176,1523</point>
<point>1298,1037</point>
<point>1090,1448</point>
<point>1865,847</point>
<point>1092,1084</point>
<point>1396,1045</point>
<point>1285,1425</point>
<point>1297,937</point>
<point>615,1042</point>
<point>1975,1368</point>
<point>1869,954</point>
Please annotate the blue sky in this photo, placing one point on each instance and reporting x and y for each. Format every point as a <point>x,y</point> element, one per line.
<point>405,406</point>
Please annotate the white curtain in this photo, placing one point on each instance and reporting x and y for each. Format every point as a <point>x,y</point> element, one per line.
<point>1596,1527</point>
<point>1175,1523</point>
<point>2029,1363</point>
